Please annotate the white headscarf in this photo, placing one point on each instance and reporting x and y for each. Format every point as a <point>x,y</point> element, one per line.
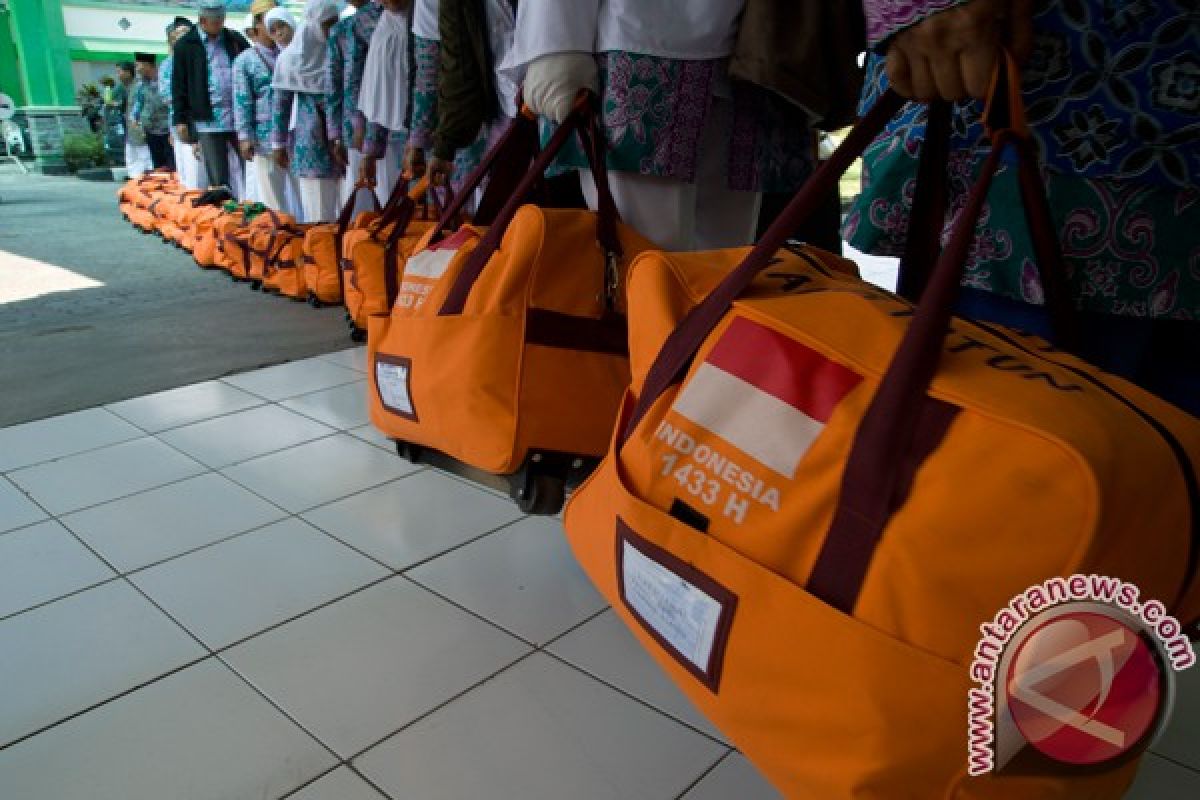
<point>301,67</point>
<point>383,98</point>
<point>279,13</point>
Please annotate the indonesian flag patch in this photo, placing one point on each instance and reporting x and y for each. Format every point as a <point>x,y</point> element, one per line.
<point>765,394</point>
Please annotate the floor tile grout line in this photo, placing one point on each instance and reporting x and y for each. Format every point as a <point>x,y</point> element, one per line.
<point>261,402</point>
<point>209,652</point>
<point>139,435</point>
<point>712,768</point>
<point>349,767</point>
<point>324,604</point>
<point>42,604</point>
<point>99,704</point>
<point>425,715</point>
<point>275,401</point>
<point>1175,761</point>
<point>640,700</point>
<point>206,469</point>
<point>217,656</point>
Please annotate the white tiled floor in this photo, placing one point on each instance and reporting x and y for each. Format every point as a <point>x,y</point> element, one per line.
<point>236,590</point>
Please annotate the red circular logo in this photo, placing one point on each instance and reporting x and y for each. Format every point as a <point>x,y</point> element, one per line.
<point>1084,688</point>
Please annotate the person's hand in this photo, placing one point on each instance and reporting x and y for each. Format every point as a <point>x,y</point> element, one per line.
<point>952,54</point>
<point>366,170</point>
<point>439,170</point>
<point>338,151</point>
<point>356,140</point>
<point>553,82</point>
<point>414,161</point>
<point>281,158</point>
<point>247,148</point>
<point>181,133</point>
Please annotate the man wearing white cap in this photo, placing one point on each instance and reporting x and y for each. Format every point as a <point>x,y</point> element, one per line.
<point>202,93</point>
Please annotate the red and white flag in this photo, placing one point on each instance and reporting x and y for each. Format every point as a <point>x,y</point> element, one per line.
<point>766,394</point>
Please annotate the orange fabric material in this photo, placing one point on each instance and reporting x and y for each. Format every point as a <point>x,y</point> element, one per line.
<point>1030,481</point>
<point>364,276</point>
<point>211,227</point>
<point>479,390</point>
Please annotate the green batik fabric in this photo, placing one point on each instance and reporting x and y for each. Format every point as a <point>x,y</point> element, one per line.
<point>1130,248</point>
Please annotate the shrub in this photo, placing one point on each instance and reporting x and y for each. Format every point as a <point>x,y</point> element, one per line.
<point>83,150</point>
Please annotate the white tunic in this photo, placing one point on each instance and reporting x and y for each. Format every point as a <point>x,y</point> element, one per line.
<point>676,29</point>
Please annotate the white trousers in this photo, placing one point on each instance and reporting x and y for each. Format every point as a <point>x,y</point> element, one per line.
<point>138,160</point>
<point>319,197</point>
<point>190,169</point>
<point>678,216</point>
<point>277,188</point>
<point>237,174</point>
<point>387,172</point>
<point>253,190</point>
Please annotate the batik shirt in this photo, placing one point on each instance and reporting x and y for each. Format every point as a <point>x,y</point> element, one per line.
<point>349,40</point>
<point>307,144</point>
<point>164,82</point>
<point>220,87</point>
<point>1112,93</point>
<point>252,95</point>
<point>148,108</point>
<point>655,111</point>
<point>427,54</point>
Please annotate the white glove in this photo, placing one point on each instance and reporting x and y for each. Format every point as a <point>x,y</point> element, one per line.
<point>553,82</point>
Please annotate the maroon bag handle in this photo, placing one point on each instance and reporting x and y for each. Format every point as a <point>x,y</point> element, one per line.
<point>877,462</point>
<point>584,122</point>
<point>513,151</point>
<point>345,217</point>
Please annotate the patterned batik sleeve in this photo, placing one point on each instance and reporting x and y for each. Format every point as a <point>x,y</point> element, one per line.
<point>357,45</point>
<point>886,18</point>
<point>281,118</point>
<point>375,140</point>
<point>243,101</point>
<point>424,96</point>
<point>334,97</point>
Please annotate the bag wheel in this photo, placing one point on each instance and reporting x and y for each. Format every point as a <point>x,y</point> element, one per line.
<point>256,285</point>
<point>313,301</point>
<point>358,336</point>
<point>408,451</point>
<point>538,493</point>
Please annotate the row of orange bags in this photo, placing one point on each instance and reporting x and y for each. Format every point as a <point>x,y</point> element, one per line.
<point>347,261</point>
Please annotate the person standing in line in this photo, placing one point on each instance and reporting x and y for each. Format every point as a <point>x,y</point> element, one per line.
<point>121,103</point>
<point>690,151</point>
<point>354,138</point>
<point>1112,100</point>
<point>187,165</point>
<point>476,98</point>
<point>386,94</point>
<point>426,61</point>
<point>202,94</point>
<point>253,72</point>
<point>299,136</point>
<point>138,159</point>
<point>150,114</point>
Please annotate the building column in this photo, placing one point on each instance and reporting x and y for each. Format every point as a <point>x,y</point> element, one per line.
<point>44,72</point>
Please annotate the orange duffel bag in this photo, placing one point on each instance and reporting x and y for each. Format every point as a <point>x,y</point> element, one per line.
<point>817,495</point>
<point>323,246</point>
<point>213,225</point>
<point>378,252</point>
<point>285,263</point>
<point>248,248</point>
<point>514,360</point>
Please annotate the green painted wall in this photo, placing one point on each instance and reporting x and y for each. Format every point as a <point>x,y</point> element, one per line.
<point>42,52</point>
<point>10,67</point>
